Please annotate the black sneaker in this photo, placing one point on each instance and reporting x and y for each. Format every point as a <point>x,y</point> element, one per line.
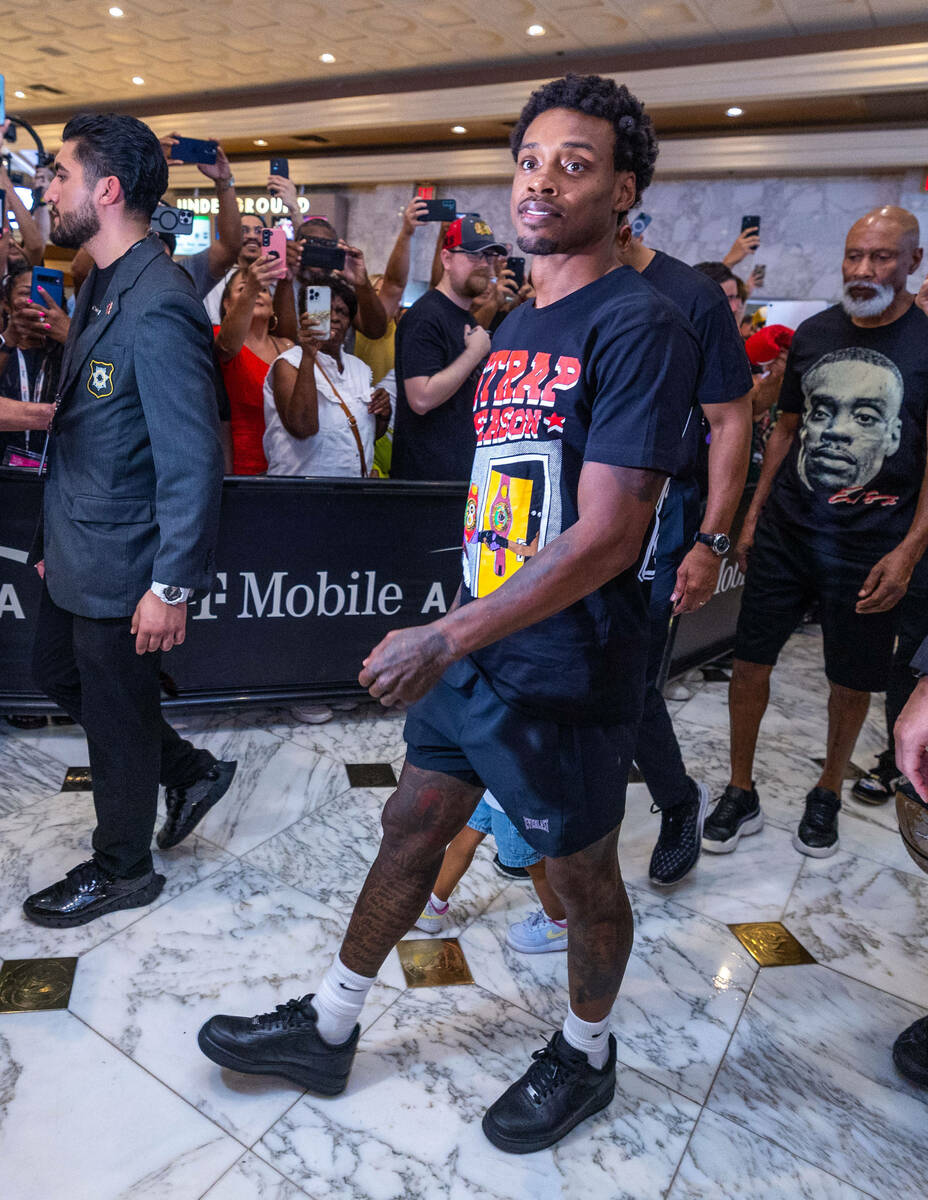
<point>558,1091</point>
<point>187,806</point>
<point>518,874</point>
<point>285,1043</point>
<point>678,845</point>
<point>817,835</point>
<point>737,813</point>
<point>87,892</point>
<point>877,786</point>
<point>910,1052</point>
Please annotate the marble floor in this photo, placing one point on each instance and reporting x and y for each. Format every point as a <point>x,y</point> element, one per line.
<point>733,1081</point>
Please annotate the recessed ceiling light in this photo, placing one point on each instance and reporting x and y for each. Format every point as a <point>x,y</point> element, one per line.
<point>536,31</point>
<point>260,142</point>
<point>116,11</point>
<point>20,95</point>
<point>734,111</point>
<point>138,80</point>
<point>327,58</point>
<point>459,129</point>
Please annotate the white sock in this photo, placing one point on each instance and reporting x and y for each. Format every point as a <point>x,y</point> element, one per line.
<point>592,1037</point>
<point>339,1001</point>
<point>440,906</point>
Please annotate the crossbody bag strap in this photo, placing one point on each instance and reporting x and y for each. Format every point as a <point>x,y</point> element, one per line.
<point>349,414</point>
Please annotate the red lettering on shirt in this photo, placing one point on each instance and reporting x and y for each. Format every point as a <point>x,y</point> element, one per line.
<point>528,388</point>
<point>857,495</point>
<point>496,360</point>
<point>567,375</point>
<point>518,361</point>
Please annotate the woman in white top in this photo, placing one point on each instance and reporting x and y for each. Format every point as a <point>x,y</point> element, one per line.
<point>307,392</point>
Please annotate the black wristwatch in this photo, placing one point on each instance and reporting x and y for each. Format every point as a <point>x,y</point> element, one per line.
<point>718,543</point>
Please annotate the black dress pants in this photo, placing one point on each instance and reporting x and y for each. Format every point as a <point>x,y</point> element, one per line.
<point>89,667</point>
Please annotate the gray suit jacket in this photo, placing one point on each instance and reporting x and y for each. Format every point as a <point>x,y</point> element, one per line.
<point>135,463</point>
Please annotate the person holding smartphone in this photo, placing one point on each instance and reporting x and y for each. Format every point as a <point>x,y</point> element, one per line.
<point>30,363</point>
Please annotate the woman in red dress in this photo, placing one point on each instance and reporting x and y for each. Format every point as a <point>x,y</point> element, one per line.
<point>246,347</point>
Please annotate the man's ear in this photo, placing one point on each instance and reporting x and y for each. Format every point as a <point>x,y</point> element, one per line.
<point>917,256</point>
<point>623,193</point>
<point>108,191</point>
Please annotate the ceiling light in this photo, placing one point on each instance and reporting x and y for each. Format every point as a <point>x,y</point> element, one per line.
<point>115,11</point>
<point>734,111</point>
<point>459,129</point>
<point>138,80</point>
<point>260,142</point>
<point>327,58</point>
<point>536,31</point>
<point>20,95</point>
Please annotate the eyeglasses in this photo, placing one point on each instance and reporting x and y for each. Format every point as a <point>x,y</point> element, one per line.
<point>475,255</point>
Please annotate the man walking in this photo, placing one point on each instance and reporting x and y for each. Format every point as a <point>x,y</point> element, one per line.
<point>130,514</point>
<point>532,685</point>
<point>840,515</point>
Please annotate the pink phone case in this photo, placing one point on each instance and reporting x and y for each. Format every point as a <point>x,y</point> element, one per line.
<point>277,245</point>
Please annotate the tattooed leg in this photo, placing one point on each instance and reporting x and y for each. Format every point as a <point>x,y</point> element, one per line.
<point>599,917</point>
<point>425,812</point>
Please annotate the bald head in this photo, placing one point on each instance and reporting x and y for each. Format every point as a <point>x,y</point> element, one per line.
<point>891,221</point>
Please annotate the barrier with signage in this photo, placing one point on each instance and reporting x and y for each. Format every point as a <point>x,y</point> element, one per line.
<point>311,575</point>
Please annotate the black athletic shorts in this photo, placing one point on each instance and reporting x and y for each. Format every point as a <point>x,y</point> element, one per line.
<point>562,786</point>
<point>785,575</point>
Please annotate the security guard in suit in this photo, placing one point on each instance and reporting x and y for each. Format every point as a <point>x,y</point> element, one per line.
<point>131,512</point>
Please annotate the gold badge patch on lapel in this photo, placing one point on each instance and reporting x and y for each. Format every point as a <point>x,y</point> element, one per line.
<point>100,379</point>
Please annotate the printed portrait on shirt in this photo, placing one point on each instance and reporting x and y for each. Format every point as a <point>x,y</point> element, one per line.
<point>513,509</point>
<point>851,418</point>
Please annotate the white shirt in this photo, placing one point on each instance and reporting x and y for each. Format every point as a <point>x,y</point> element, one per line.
<point>333,450</point>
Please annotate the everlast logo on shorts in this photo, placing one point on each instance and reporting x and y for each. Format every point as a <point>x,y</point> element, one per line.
<point>531,823</point>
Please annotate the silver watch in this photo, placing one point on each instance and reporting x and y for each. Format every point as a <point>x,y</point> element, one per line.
<point>171,594</point>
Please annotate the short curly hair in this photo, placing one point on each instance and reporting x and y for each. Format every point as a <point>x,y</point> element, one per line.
<point>635,139</point>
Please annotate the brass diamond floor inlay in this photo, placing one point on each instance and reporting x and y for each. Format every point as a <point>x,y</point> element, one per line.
<point>771,944</point>
<point>36,984</point>
<point>433,962</point>
<point>77,779</point>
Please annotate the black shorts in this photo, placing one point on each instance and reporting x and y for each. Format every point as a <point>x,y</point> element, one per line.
<point>562,786</point>
<point>785,575</point>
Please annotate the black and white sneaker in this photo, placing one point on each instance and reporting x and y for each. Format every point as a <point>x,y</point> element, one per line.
<point>817,835</point>
<point>878,785</point>
<point>187,806</point>
<point>284,1042</point>
<point>910,1052</point>
<point>677,848</point>
<point>737,813</point>
<point>89,891</point>
<point>558,1091</point>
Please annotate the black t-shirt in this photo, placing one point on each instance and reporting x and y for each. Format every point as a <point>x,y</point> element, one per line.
<point>34,358</point>
<point>851,479</point>
<point>606,375</point>
<point>726,372</point>
<point>438,444</point>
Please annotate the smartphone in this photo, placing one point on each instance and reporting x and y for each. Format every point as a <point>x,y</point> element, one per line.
<point>321,252</point>
<point>2,211</point>
<point>517,266</point>
<point>194,150</point>
<point>319,307</point>
<point>274,244</point>
<point>280,166</point>
<point>759,273</point>
<point>51,281</point>
<point>750,223</point>
<point>440,210</point>
<point>166,219</point>
<point>640,224</point>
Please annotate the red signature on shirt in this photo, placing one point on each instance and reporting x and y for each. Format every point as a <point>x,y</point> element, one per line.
<point>857,495</point>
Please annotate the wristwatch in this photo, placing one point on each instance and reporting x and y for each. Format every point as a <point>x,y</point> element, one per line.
<point>223,184</point>
<point>718,543</point>
<point>170,594</point>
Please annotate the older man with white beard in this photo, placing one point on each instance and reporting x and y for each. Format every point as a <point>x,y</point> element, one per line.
<point>840,515</point>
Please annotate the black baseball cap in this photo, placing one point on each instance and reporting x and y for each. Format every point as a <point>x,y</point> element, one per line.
<point>472,233</point>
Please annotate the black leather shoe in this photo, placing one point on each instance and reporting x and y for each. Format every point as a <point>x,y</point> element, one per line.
<point>187,806</point>
<point>285,1042</point>
<point>87,892</point>
<point>910,1052</point>
<point>558,1091</point>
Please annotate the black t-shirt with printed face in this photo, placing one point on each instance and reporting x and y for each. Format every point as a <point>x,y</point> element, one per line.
<point>437,444</point>
<point>605,375</point>
<point>851,479</point>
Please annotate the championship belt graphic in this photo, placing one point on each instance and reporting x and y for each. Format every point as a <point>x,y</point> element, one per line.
<point>509,524</point>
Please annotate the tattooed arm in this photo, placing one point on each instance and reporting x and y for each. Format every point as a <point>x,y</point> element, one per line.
<point>615,506</point>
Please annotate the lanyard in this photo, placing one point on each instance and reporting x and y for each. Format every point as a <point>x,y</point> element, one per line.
<point>24,385</point>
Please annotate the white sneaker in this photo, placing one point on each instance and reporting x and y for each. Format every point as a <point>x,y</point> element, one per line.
<point>537,934</point>
<point>431,921</point>
<point>312,714</point>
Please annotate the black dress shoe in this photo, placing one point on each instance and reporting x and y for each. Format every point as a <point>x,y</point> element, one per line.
<point>87,892</point>
<point>187,806</point>
<point>558,1091</point>
<point>910,1052</point>
<point>285,1042</point>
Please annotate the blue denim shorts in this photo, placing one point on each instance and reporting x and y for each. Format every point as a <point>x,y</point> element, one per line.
<point>514,850</point>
